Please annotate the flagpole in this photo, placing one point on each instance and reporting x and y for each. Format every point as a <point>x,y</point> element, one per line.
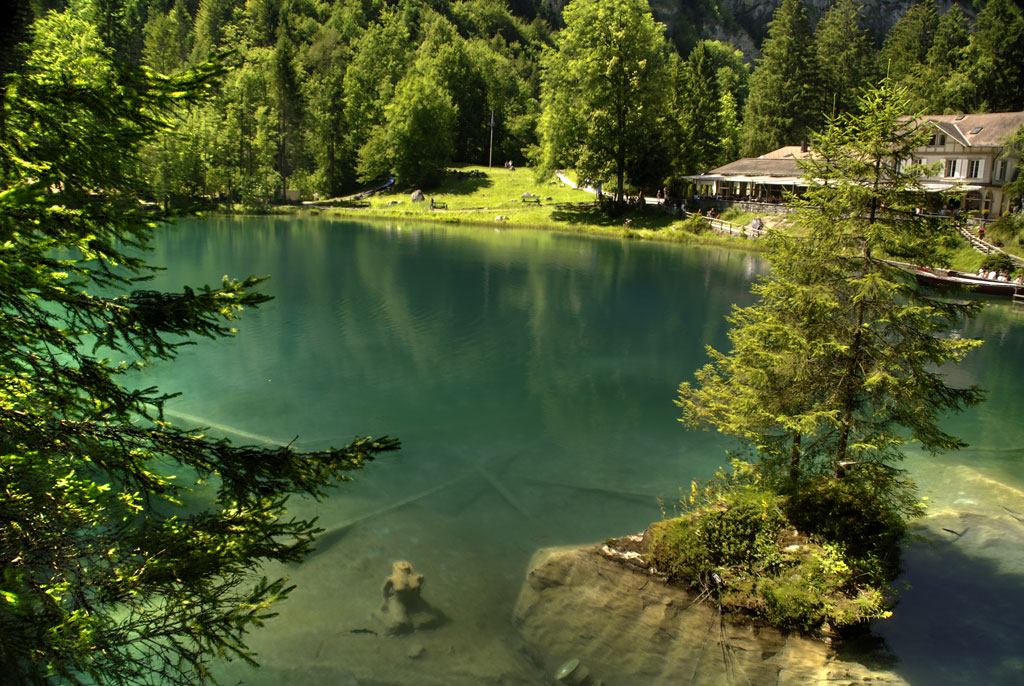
<point>490,150</point>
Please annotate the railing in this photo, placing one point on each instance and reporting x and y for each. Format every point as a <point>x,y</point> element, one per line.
<point>981,245</point>
<point>724,227</point>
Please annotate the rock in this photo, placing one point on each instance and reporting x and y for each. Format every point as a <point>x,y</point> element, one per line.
<point>501,218</point>
<point>417,196</point>
<point>404,610</point>
<point>626,626</point>
<point>415,650</point>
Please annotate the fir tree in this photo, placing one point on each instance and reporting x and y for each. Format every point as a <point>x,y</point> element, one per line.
<point>995,56</point>
<point>908,41</point>
<point>844,56</point>
<point>784,105</point>
<point>108,578</point>
<point>838,365</point>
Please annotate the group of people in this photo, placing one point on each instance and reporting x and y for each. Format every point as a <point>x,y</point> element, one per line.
<point>994,275</point>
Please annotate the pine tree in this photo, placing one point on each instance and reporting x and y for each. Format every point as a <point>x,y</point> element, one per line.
<point>994,58</point>
<point>108,578</point>
<point>942,83</point>
<point>844,57</point>
<point>908,41</point>
<point>838,365</point>
<point>784,105</point>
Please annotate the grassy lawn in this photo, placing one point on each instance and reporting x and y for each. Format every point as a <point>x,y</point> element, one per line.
<point>478,195</point>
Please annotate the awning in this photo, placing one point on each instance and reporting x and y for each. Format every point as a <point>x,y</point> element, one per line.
<point>940,186</point>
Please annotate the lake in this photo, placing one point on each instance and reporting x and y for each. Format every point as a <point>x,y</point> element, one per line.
<point>530,376</point>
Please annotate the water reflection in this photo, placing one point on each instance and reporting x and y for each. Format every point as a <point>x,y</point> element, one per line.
<point>530,376</point>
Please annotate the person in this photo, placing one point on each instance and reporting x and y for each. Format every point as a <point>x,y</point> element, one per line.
<point>981,232</point>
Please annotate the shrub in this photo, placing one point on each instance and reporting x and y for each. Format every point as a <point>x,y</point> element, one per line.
<point>997,261</point>
<point>799,561</point>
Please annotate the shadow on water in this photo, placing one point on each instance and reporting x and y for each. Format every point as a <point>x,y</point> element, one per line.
<point>957,622</point>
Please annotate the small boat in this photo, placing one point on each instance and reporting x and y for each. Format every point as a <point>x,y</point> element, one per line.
<point>976,283</point>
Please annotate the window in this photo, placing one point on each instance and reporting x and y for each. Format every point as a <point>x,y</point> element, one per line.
<point>977,129</point>
<point>973,169</point>
<point>950,168</point>
<point>1000,170</point>
<point>941,139</point>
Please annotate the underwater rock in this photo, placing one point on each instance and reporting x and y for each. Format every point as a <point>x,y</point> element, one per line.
<point>630,627</point>
<point>404,610</point>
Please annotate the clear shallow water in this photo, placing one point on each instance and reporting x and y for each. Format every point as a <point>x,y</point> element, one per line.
<point>530,377</point>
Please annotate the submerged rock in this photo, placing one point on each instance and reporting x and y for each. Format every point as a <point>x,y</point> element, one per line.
<point>630,627</point>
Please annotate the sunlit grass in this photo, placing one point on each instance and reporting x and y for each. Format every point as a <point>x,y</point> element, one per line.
<point>478,195</point>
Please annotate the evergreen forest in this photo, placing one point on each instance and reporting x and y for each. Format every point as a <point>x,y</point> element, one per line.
<point>330,96</point>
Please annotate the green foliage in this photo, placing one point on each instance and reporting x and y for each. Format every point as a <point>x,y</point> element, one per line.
<point>710,87</point>
<point>605,91</point>
<point>785,103</point>
<point>908,41</point>
<point>417,137</point>
<point>998,261</point>
<point>108,578</point>
<point>844,56</point>
<point>740,542</point>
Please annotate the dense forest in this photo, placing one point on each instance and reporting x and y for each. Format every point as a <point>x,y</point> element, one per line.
<point>327,96</point>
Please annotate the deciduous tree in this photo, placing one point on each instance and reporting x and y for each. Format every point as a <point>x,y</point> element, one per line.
<point>605,89</point>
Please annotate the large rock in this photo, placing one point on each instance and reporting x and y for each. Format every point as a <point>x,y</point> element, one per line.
<point>628,627</point>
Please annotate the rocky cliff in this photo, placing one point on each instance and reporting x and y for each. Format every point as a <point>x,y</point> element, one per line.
<point>744,23</point>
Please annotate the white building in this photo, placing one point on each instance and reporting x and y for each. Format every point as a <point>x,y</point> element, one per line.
<point>969,150</point>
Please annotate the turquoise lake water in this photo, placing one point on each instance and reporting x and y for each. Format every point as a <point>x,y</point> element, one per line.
<point>530,376</point>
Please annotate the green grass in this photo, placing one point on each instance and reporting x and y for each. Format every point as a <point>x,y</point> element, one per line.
<point>498,192</point>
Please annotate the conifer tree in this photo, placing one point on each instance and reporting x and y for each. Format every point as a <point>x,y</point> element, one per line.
<point>908,41</point>
<point>995,55</point>
<point>108,578</point>
<point>784,105</point>
<point>942,82</point>
<point>839,363</point>
<point>843,55</point>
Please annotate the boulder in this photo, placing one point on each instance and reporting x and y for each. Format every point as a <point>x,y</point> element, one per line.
<point>417,196</point>
<point>625,626</point>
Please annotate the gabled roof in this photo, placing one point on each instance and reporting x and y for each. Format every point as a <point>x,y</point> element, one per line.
<point>989,130</point>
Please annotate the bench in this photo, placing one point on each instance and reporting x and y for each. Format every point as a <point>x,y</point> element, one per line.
<point>535,199</point>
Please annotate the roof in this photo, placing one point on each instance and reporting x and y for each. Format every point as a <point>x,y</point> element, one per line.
<point>989,130</point>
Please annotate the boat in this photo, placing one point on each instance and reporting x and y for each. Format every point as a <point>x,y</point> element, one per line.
<point>974,282</point>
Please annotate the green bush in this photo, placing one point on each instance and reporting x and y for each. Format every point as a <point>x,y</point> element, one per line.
<point>695,224</point>
<point>799,561</point>
<point>997,261</point>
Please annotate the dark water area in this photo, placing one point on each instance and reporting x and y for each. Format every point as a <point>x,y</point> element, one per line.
<point>530,376</point>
